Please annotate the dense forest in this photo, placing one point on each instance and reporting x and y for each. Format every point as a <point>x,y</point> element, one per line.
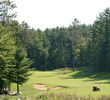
<point>75,46</point>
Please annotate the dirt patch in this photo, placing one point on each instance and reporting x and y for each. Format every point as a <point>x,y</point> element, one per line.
<point>43,87</point>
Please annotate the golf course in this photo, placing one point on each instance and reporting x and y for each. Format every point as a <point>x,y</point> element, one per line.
<point>79,83</point>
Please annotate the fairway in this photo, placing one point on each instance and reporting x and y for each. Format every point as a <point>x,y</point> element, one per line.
<point>79,82</point>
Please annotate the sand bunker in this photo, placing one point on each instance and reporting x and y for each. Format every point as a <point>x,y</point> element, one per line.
<point>43,87</point>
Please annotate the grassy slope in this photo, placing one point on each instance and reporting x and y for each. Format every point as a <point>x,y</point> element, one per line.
<point>79,82</point>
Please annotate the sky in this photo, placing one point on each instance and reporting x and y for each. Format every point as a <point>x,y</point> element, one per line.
<point>52,13</point>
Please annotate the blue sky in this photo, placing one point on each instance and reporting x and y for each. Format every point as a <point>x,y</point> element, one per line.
<point>52,13</point>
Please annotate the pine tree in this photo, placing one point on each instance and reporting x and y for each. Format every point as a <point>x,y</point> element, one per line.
<point>75,28</point>
<point>5,6</point>
<point>6,54</point>
<point>21,71</point>
<point>101,40</point>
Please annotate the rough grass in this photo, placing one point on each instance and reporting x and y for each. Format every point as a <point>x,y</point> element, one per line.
<point>57,96</point>
<point>78,83</point>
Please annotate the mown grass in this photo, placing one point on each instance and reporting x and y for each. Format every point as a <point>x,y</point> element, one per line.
<point>79,83</point>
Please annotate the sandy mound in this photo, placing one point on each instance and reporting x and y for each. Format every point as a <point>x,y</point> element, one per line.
<point>42,87</point>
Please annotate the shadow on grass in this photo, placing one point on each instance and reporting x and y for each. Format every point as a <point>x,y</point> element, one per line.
<point>102,82</point>
<point>86,73</point>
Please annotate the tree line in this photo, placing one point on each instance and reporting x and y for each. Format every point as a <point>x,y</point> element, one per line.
<point>77,45</point>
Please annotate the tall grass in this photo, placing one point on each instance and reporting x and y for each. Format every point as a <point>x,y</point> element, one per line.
<point>57,96</point>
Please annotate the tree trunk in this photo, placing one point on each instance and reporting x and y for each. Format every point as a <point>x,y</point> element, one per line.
<point>17,88</point>
<point>74,52</point>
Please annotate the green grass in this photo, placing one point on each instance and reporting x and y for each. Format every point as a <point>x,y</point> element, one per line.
<point>79,82</point>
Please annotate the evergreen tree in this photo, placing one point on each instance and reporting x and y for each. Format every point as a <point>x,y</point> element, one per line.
<point>5,6</point>
<point>76,36</point>
<point>6,53</point>
<point>101,41</point>
<point>21,71</point>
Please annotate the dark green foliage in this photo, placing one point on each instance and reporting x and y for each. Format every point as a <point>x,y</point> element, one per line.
<point>20,70</point>
<point>6,52</point>
<point>9,37</point>
<point>101,41</point>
